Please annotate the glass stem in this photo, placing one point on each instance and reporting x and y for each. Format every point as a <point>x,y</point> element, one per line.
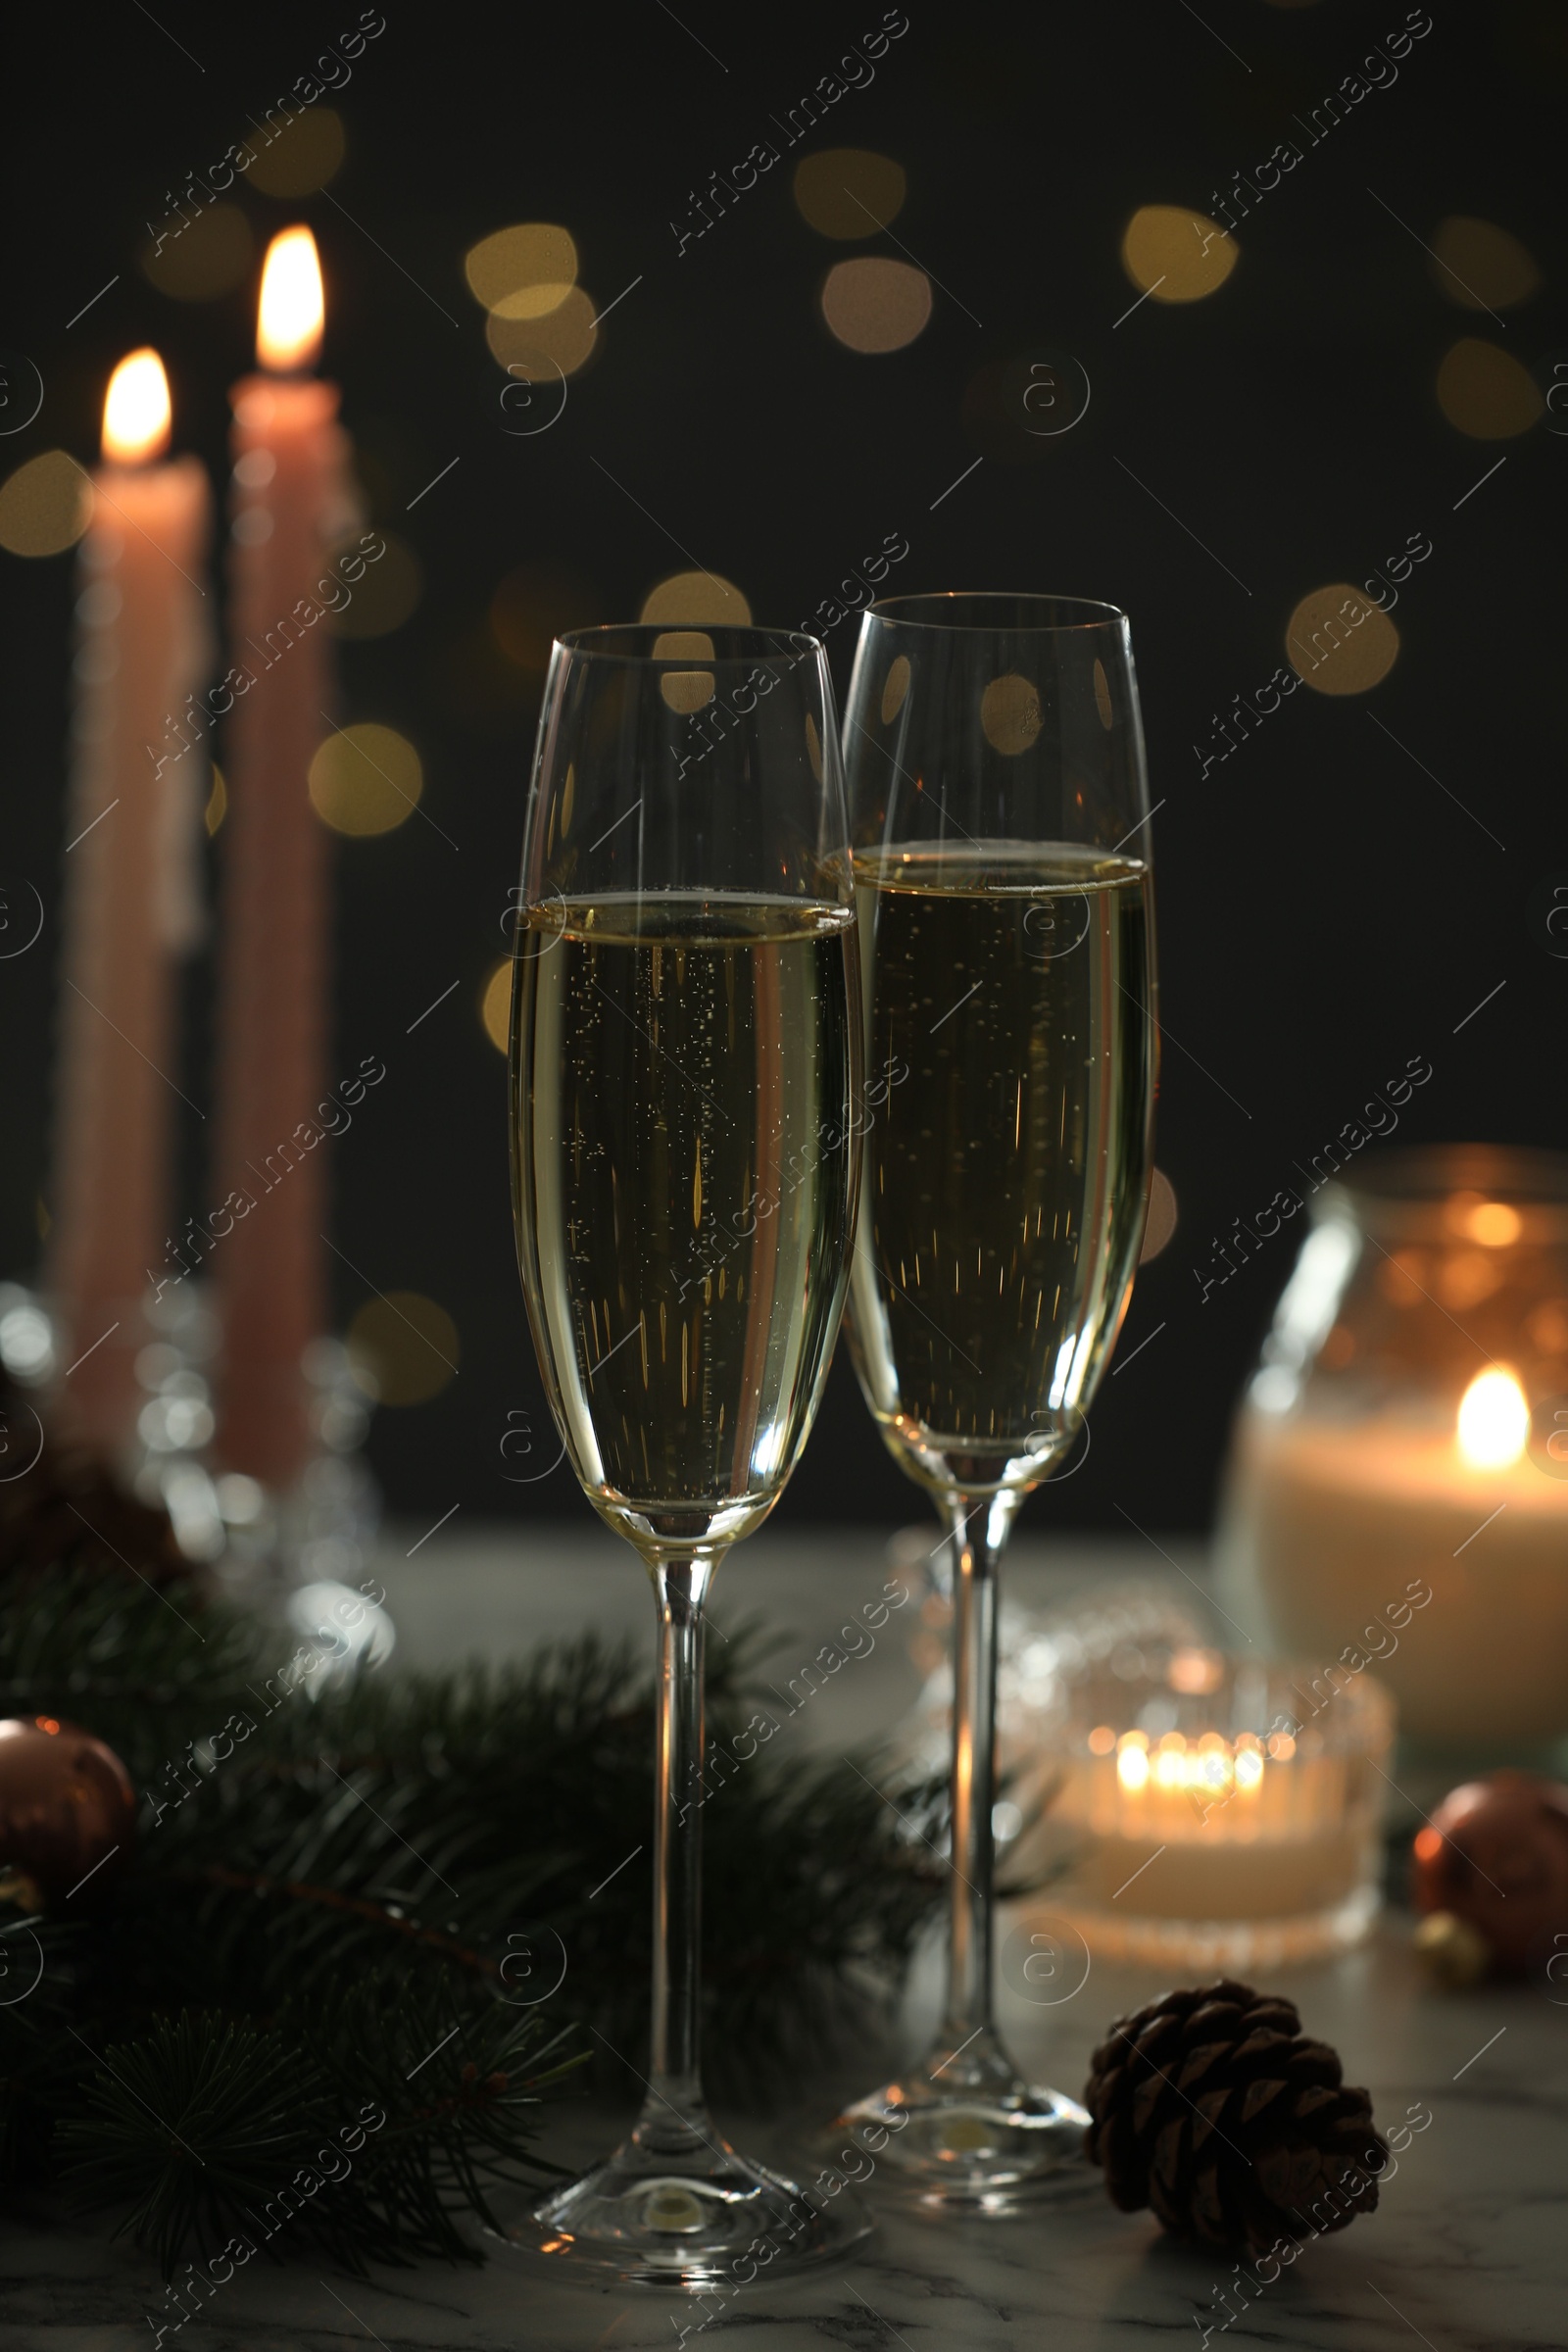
<point>674,2121</point>
<point>972,2056</point>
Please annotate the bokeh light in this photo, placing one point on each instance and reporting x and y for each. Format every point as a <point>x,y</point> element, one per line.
<point>204,258</point>
<point>849,192</point>
<point>895,686</point>
<point>1479,265</point>
<point>1010,714</point>
<point>874,304</point>
<point>365,779</point>
<point>561,339</point>
<point>524,271</point>
<point>683,644</point>
<point>45,506</point>
<point>216,808</point>
<point>408,1344</point>
<point>303,156</point>
<point>1486,393</point>
<point>687,690</point>
<point>1161,1221</point>
<point>385,593</point>
<point>495,1006</point>
<point>1175,255</point>
<point>1338,643</point>
<point>684,689</point>
<point>696,600</point>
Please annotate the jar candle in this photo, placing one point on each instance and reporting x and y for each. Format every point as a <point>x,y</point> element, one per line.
<point>1402,1452</point>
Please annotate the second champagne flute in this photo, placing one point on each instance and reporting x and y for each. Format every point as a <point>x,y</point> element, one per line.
<point>685,1047</point>
<point>999,812</point>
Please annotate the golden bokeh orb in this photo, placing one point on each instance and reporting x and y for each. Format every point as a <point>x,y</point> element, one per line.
<point>1173,253</point>
<point>45,506</point>
<point>895,686</point>
<point>524,271</point>
<point>1161,1221</point>
<point>193,261</point>
<point>302,158</point>
<point>1010,714</point>
<point>847,192</point>
<point>701,599</point>
<point>875,305</point>
<point>495,1006</point>
<point>1338,643</point>
<point>1479,265</point>
<point>408,1344</point>
<point>1485,393</point>
<point>685,690</point>
<point>385,593</point>
<point>539,348</point>
<point>365,779</point>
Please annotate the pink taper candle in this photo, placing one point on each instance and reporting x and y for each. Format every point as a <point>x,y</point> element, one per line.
<point>291,501</point>
<point>133,810</point>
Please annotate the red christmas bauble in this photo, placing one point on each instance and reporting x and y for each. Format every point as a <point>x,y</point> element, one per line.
<point>67,1811</point>
<point>1496,1853</point>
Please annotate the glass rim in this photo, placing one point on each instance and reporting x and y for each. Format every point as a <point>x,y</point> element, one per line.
<point>1092,613</point>
<point>780,645</point>
<point>1407,1194</point>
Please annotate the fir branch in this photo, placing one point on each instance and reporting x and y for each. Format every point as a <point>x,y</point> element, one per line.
<point>191,2041</point>
<point>207,2129</point>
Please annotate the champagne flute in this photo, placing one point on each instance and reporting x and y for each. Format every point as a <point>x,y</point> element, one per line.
<point>685,1049</point>
<point>998,807</point>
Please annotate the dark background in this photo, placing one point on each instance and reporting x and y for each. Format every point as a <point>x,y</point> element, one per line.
<point>1326,911</point>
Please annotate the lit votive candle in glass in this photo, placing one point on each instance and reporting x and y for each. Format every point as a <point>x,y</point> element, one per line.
<point>1212,1811</point>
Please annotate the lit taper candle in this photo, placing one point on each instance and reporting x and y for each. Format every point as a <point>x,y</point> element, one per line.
<point>131,910</point>
<point>291,499</point>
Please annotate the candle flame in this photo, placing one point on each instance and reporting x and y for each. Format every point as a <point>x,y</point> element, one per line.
<point>136,412</point>
<point>1494,1420</point>
<point>1208,1772</point>
<point>288,333</point>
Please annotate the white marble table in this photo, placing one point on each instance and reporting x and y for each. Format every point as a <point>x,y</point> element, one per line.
<point>1463,2255</point>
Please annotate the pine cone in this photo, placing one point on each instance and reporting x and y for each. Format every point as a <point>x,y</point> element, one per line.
<point>1214,2108</point>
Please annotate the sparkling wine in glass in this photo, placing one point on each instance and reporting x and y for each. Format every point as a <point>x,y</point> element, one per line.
<point>999,820</point>
<point>685,1050</point>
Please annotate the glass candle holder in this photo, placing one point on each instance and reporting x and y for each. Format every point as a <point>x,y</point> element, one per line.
<point>1210,1812</point>
<point>1398,1486</point>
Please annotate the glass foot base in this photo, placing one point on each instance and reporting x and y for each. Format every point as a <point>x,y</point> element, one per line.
<point>717,2224</point>
<point>982,2144</point>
